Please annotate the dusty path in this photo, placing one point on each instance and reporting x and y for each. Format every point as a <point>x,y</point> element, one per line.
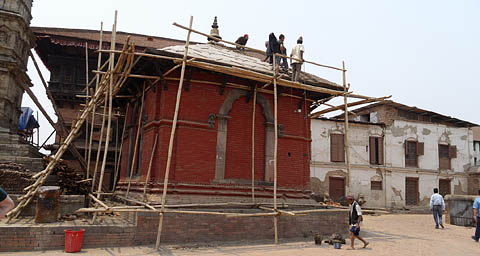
<point>408,235</point>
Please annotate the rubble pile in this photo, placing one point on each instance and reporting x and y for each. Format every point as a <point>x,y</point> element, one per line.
<point>14,177</point>
<point>70,181</point>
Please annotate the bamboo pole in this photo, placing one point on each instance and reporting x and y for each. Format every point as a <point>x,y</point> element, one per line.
<point>360,102</point>
<point>275,147</point>
<point>253,142</point>
<point>136,140</point>
<point>110,106</point>
<point>97,80</point>
<point>347,147</point>
<point>86,101</point>
<point>147,178</point>
<point>99,146</point>
<point>121,149</point>
<point>98,201</point>
<point>172,135</point>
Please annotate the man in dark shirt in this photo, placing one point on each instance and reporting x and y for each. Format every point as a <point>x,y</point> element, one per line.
<point>355,217</point>
<point>242,41</point>
<point>6,203</point>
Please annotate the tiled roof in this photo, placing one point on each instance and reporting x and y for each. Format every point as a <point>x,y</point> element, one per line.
<point>237,58</point>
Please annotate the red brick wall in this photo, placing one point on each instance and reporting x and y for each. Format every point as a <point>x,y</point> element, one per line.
<point>177,229</point>
<point>194,152</point>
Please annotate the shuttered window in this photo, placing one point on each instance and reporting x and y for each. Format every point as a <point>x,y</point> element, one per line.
<point>375,185</point>
<point>376,150</point>
<point>413,149</point>
<point>445,155</point>
<point>337,148</point>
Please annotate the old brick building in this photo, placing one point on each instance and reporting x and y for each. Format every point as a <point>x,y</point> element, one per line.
<point>212,153</point>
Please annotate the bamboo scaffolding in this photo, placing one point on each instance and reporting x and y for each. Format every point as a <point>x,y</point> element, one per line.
<point>334,108</point>
<point>86,102</point>
<point>275,147</point>
<point>174,125</point>
<point>347,147</point>
<point>121,150</point>
<point>253,142</point>
<point>110,105</point>
<point>243,73</point>
<point>99,146</point>
<point>136,140</point>
<point>96,99</point>
<point>147,178</point>
<point>97,78</point>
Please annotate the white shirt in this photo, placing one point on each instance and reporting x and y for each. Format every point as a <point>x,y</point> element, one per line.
<point>437,199</point>
<point>357,207</point>
<point>296,52</point>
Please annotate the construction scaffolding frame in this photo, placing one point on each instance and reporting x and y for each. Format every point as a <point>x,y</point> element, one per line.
<point>112,75</point>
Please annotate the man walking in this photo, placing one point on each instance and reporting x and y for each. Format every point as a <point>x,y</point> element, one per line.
<point>355,217</point>
<point>297,54</point>
<point>476,218</point>
<point>6,203</point>
<point>437,205</point>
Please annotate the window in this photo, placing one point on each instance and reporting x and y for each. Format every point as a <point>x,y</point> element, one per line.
<point>337,148</point>
<point>413,149</point>
<point>445,155</point>
<point>376,150</point>
<point>376,185</point>
<point>475,161</point>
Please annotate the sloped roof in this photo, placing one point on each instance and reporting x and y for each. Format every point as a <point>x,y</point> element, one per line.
<point>69,36</point>
<point>229,56</point>
<point>448,119</point>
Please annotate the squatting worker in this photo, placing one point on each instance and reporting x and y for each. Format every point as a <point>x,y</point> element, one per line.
<point>476,218</point>
<point>6,203</point>
<point>297,54</point>
<point>355,217</point>
<point>437,205</point>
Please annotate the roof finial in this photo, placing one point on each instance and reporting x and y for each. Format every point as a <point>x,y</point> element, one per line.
<point>214,31</point>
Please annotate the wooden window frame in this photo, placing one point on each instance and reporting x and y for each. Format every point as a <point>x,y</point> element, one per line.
<point>443,193</point>
<point>451,153</point>
<point>376,150</point>
<point>419,150</point>
<point>337,147</point>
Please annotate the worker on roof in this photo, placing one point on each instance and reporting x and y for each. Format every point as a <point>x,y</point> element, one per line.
<point>297,61</point>
<point>242,41</point>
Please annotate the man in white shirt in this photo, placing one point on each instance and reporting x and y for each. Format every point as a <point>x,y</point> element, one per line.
<point>355,217</point>
<point>297,53</point>
<point>437,205</point>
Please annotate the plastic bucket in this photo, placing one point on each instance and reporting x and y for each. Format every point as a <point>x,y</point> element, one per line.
<point>73,240</point>
<point>337,245</point>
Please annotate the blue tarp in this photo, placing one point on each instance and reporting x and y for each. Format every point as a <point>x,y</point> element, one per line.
<point>26,120</point>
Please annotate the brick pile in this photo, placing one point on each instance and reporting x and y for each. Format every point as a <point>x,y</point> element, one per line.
<point>14,177</point>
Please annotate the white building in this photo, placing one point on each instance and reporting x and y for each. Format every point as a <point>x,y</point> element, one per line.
<point>398,154</point>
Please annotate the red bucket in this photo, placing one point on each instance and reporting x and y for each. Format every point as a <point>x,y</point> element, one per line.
<point>73,240</point>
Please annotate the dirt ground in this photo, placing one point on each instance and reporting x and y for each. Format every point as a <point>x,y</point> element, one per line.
<point>393,234</point>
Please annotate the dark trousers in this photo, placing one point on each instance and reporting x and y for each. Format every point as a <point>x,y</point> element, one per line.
<point>437,214</point>
<point>477,230</point>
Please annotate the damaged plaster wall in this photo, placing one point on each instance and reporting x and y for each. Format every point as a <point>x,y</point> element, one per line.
<point>393,173</point>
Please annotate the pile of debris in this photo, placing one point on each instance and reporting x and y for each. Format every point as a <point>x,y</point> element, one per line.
<point>70,182</point>
<point>14,177</point>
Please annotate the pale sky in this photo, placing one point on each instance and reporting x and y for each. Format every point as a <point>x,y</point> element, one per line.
<point>424,53</point>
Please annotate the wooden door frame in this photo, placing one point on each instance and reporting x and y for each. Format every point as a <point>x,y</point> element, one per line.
<point>336,178</point>
<point>417,198</point>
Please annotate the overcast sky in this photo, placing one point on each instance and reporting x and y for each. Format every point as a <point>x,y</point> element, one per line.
<point>424,53</point>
